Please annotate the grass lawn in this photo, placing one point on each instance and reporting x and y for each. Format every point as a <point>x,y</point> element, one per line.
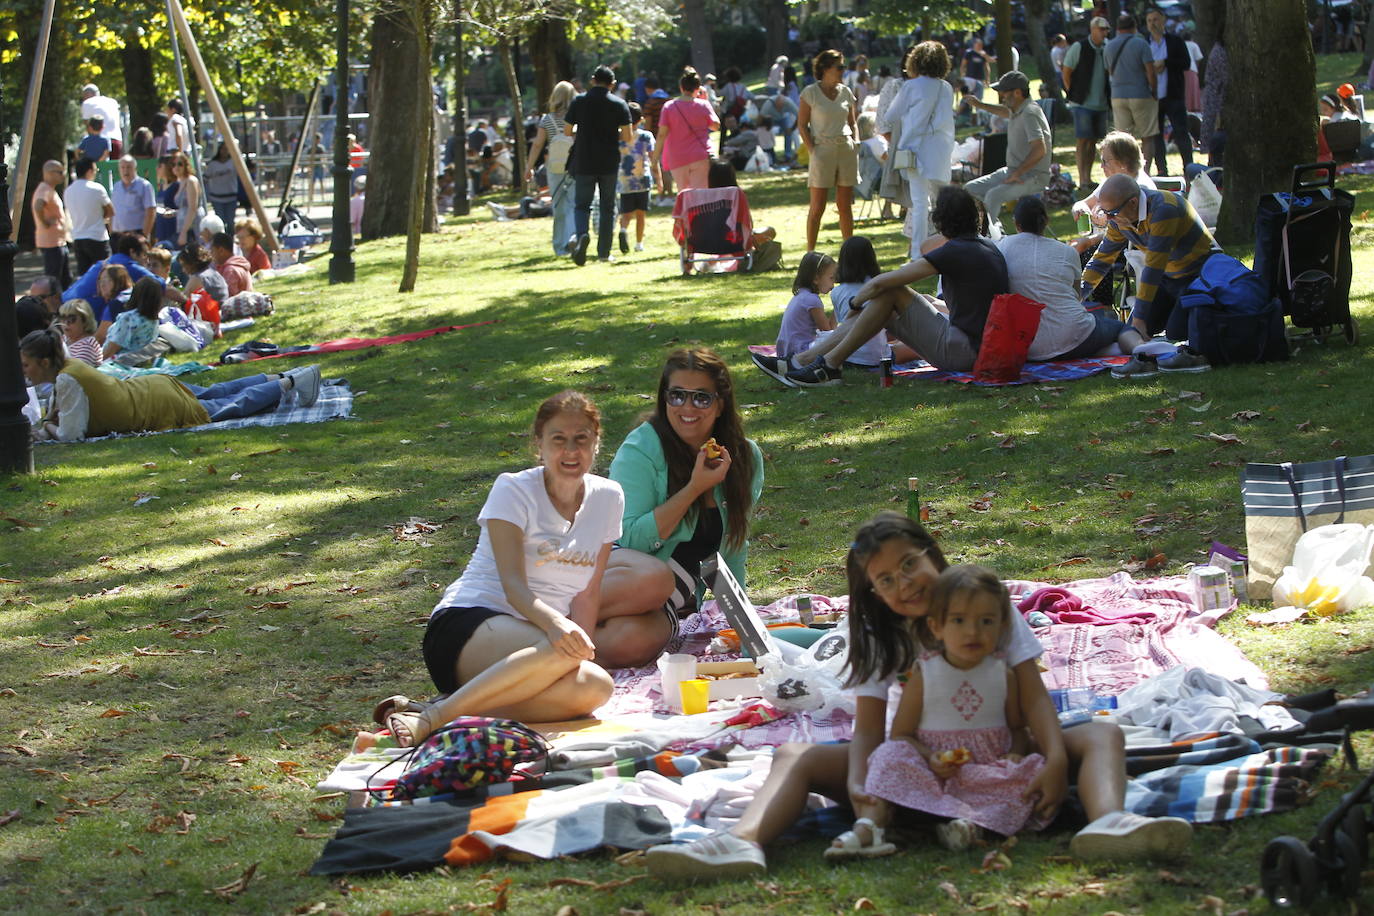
<point>178,674</point>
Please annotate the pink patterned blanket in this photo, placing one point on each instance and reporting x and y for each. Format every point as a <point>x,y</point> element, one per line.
<point>1109,657</point>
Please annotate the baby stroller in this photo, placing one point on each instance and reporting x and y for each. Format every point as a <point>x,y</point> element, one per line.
<point>714,230</point>
<point>1294,873</point>
<point>295,229</point>
<point>1302,250</point>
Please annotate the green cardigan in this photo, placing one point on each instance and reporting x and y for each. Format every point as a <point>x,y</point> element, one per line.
<point>641,470</point>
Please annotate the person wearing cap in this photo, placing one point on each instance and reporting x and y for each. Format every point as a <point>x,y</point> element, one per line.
<point>95,105</point>
<point>1084,73</point>
<point>1029,145</point>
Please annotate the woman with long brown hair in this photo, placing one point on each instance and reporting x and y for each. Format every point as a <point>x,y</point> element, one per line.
<point>691,480</point>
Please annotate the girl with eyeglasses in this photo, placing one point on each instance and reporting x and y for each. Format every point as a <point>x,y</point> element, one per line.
<point>893,565</point>
<point>683,504</point>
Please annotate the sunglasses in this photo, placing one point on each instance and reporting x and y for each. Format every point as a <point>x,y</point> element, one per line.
<point>68,319</point>
<point>700,399</point>
<point>1112,214</point>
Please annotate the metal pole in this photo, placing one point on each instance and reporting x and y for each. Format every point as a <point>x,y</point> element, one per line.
<point>341,230</point>
<point>16,446</point>
<point>190,115</point>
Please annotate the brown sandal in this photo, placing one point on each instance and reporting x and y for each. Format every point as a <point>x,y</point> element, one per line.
<point>397,703</point>
<point>409,728</point>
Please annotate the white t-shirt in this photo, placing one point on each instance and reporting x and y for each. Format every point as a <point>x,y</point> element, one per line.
<point>177,130</point>
<point>86,201</point>
<point>1018,646</point>
<point>876,349</point>
<point>560,556</point>
<point>1048,271</point>
<point>108,109</point>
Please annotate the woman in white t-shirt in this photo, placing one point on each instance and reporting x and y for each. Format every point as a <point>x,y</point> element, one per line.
<point>511,637</point>
<point>892,566</point>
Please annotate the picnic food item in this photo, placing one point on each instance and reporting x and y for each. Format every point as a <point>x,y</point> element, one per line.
<point>712,449</point>
<point>956,756</point>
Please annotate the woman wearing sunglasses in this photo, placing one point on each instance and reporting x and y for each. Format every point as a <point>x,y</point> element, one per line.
<point>682,506</point>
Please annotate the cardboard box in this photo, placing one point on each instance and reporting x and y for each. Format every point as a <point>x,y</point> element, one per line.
<point>735,686</point>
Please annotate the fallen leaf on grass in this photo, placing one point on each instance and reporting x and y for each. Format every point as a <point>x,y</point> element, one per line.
<point>1163,450</point>
<point>157,652</point>
<point>1071,561</point>
<point>1158,561</point>
<point>566,910</point>
<point>593,885</point>
<point>995,860</point>
<point>113,714</point>
<point>301,834</point>
<point>863,903</point>
<point>1212,904</point>
<point>1304,426</point>
<point>218,542</point>
<point>951,891</point>
<point>9,816</point>
<point>270,604</point>
<point>19,521</point>
<point>186,760</point>
<point>1245,416</point>
<point>237,886</point>
<point>1221,438</point>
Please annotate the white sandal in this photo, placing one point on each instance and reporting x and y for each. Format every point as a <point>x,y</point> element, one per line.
<point>848,845</point>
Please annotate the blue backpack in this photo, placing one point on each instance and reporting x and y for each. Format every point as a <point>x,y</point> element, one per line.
<point>1231,316</point>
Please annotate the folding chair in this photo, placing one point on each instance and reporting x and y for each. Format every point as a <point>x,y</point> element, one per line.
<point>1343,137</point>
<point>870,176</point>
<point>714,230</point>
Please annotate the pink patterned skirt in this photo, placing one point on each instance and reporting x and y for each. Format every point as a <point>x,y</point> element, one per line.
<point>986,791</point>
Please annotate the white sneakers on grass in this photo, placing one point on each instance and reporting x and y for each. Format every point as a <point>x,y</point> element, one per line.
<point>721,856</point>
<point>1122,836</point>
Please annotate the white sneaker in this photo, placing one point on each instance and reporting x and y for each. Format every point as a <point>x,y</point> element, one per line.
<point>1123,836</point>
<point>305,381</point>
<point>639,246</point>
<point>958,834</point>
<point>721,856</point>
<point>498,211</point>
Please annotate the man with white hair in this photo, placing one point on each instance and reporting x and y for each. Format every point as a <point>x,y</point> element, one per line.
<point>95,105</point>
<point>134,207</point>
<point>777,73</point>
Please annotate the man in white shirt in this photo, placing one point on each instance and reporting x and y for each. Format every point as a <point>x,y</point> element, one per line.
<point>132,197</point>
<point>95,105</point>
<point>88,211</point>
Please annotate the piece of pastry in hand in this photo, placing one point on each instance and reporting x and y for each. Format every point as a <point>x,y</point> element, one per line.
<point>712,449</point>
<point>957,756</point>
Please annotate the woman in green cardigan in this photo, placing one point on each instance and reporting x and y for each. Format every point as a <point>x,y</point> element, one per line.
<point>683,504</point>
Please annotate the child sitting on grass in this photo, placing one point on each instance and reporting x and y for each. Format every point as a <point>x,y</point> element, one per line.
<point>958,744</point>
<point>805,316</point>
<point>135,327</point>
<point>78,331</point>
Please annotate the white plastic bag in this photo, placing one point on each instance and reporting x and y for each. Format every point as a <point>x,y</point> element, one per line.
<point>811,681</point>
<point>1327,575</point>
<point>1205,198</point>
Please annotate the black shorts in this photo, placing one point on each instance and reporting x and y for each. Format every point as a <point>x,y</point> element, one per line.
<point>630,201</point>
<point>448,632</point>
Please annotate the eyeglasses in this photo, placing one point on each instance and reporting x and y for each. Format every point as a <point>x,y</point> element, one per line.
<point>68,319</point>
<point>700,399</point>
<point>888,583</point>
<point>1114,212</point>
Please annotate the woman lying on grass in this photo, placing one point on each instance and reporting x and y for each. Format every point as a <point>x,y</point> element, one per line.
<point>510,637</point>
<point>892,566</point>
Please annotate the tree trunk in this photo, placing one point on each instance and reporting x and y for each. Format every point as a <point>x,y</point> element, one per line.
<point>775,17</point>
<point>432,176</point>
<point>1002,12</point>
<point>461,205</point>
<point>699,33</point>
<point>1210,18</point>
<point>420,21</point>
<point>1261,162</point>
<point>140,88</point>
<point>396,109</point>
<point>50,124</point>
<point>552,55</point>
<point>517,104</point>
<point>1040,50</point>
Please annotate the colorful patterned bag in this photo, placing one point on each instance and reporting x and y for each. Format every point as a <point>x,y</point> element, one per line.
<point>468,752</point>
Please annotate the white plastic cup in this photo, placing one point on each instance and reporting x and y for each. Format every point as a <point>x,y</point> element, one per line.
<point>673,670</point>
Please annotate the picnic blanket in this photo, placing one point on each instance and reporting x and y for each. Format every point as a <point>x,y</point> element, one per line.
<point>335,402</point>
<point>1064,370</point>
<point>362,343</point>
<point>160,366</point>
<point>633,803</point>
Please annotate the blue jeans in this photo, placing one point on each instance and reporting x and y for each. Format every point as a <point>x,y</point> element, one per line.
<point>240,397</point>
<point>561,190</point>
<point>587,186</point>
<point>225,210</point>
